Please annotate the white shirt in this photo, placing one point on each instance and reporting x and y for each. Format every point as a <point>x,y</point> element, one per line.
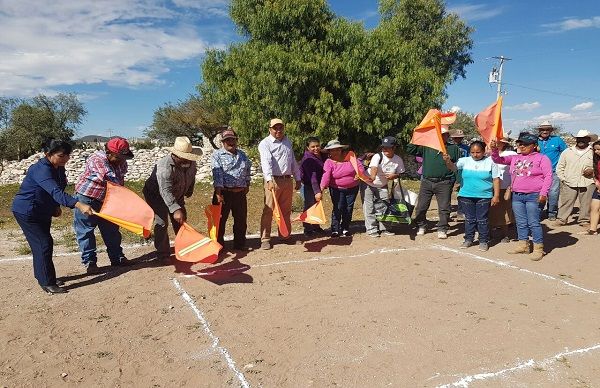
<point>503,171</point>
<point>277,158</point>
<point>395,165</point>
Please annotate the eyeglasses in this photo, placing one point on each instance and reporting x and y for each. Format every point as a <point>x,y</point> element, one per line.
<point>524,145</point>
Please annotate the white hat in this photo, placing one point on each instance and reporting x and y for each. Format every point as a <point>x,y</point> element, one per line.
<point>586,133</point>
<point>335,144</point>
<point>184,149</point>
<point>545,125</point>
<point>274,122</point>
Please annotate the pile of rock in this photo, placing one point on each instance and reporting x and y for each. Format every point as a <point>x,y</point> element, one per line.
<point>140,167</point>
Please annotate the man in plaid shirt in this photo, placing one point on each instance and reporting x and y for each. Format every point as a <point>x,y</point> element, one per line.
<point>100,167</point>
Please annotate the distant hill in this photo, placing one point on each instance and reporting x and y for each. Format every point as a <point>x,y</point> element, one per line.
<point>93,139</point>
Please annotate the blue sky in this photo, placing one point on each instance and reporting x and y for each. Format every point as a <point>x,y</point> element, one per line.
<point>126,58</point>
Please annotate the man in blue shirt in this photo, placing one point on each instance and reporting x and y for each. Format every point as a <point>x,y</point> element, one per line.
<point>231,176</point>
<point>551,146</point>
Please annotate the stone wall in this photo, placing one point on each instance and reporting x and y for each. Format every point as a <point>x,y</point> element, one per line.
<point>140,167</point>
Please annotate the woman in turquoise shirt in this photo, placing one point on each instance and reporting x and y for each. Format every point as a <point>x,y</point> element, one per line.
<point>480,189</point>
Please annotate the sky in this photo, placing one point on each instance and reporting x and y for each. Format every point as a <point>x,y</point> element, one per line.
<point>125,58</point>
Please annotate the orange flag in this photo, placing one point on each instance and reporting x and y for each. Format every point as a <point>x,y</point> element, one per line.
<point>125,208</point>
<point>429,132</point>
<point>448,118</point>
<point>283,229</point>
<point>313,215</point>
<point>489,122</point>
<point>213,220</point>
<point>193,247</point>
<point>360,174</point>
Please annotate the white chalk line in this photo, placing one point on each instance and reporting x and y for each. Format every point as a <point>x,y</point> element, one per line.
<point>314,259</point>
<point>511,266</point>
<point>215,340</point>
<point>465,381</point>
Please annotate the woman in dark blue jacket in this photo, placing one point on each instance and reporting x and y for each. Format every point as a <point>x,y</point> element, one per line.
<point>38,200</point>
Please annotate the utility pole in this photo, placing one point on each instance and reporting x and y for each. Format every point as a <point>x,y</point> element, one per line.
<point>496,74</point>
<point>110,131</point>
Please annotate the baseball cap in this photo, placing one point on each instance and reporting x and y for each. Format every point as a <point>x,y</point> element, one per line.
<point>388,141</point>
<point>274,122</point>
<point>527,138</point>
<point>228,134</point>
<point>119,145</point>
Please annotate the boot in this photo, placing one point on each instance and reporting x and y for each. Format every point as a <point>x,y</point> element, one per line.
<point>522,247</point>
<point>538,252</point>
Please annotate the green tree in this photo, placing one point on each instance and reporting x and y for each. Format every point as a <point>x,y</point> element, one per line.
<point>193,118</point>
<point>466,122</point>
<point>31,122</point>
<point>330,77</point>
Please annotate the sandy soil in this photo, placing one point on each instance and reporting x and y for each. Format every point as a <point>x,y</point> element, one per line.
<point>393,311</point>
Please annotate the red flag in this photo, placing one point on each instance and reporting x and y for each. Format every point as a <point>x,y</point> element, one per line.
<point>429,132</point>
<point>193,247</point>
<point>125,208</point>
<point>313,215</point>
<point>283,229</point>
<point>489,122</point>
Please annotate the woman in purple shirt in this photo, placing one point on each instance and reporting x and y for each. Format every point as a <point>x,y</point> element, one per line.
<point>311,172</point>
<point>340,177</point>
<point>531,176</point>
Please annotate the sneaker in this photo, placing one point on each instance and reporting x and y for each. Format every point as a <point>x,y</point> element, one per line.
<point>483,247</point>
<point>265,245</point>
<point>466,244</point>
<point>92,269</point>
<point>335,234</point>
<point>122,262</point>
<point>373,235</point>
<point>387,233</point>
<point>588,233</point>
<point>421,231</point>
<point>345,233</point>
<point>442,234</point>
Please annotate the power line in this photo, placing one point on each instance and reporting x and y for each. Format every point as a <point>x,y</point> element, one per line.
<point>553,92</point>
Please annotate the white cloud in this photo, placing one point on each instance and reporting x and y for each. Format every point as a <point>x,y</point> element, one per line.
<point>61,43</point>
<point>210,7</point>
<point>526,106</point>
<point>574,24</point>
<point>583,106</point>
<point>554,116</point>
<point>455,109</point>
<point>474,12</point>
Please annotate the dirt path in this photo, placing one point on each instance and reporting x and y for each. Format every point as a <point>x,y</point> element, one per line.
<point>393,311</point>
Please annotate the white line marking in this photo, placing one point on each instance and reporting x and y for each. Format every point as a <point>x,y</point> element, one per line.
<point>507,265</point>
<point>65,254</point>
<point>464,382</point>
<point>215,340</point>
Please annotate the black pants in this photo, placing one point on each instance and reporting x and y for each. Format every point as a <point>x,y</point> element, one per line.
<point>236,203</point>
<point>443,193</point>
<point>37,233</point>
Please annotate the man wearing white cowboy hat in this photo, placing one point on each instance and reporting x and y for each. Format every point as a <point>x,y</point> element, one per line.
<point>280,170</point>
<point>172,179</point>
<point>551,146</point>
<point>576,174</point>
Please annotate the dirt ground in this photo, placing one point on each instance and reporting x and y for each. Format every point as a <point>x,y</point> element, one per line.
<point>397,311</point>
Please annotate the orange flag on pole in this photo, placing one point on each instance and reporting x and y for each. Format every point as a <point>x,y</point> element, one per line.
<point>213,220</point>
<point>489,122</point>
<point>313,215</point>
<point>429,132</point>
<point>283,229</point>
<point>125,208</point>
<point>194,247</point>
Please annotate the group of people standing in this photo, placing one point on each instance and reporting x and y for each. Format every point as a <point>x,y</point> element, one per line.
<point>497,187</point>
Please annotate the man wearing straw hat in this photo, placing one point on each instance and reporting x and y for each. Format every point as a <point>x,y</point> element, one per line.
<point>172,179</point>
<point>576,174</point>
<point>280,170</point>
<point>551,146</point>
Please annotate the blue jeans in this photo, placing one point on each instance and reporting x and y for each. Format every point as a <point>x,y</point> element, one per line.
<point>343,206</point>
<point>476,217</point>
<point>84,231</point>
<point>553,194</point>
<point>527,217</point>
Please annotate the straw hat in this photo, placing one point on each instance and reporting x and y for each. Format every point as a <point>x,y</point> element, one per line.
<point>332,144</point>
<point>545,125</point>
<point>184,149</point>
<point>586,133</point>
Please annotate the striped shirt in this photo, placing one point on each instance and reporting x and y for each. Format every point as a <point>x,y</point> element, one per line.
<point>230,170</point>
<point>98,170</point>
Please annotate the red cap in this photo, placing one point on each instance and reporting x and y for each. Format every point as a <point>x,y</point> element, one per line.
<point>119,145</point>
